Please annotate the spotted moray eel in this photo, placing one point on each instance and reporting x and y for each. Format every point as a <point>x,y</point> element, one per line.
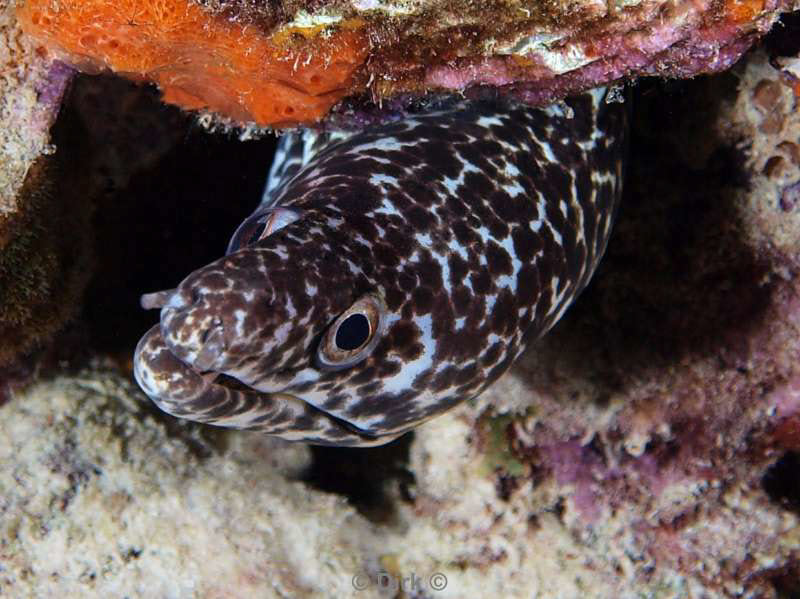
<point>390,274</point>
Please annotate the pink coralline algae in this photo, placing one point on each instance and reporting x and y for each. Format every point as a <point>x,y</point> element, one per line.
<point>789,197</point>
<point>637,45</point>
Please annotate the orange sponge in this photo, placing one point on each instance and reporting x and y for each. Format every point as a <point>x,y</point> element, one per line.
<point>743,11</point>
<point>202,61</point>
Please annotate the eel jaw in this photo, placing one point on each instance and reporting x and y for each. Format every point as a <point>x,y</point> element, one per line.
<point>182,391</point>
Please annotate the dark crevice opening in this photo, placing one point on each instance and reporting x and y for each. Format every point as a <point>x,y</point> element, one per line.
<point>781,481</point>
<point>371,478</point>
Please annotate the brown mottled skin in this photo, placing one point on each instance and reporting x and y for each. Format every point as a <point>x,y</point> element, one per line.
<point>447,241</point>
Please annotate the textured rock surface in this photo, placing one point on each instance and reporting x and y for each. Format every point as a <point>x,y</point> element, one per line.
<point>284,63</point>
<point>648,446</point>
<point>30,93</point>
<point>46,206</point>
<point>45,261</point>
<point>98,497</point>
<point>39,285</point>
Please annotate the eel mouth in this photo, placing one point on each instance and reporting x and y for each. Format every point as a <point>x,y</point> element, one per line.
<point>218,399</point>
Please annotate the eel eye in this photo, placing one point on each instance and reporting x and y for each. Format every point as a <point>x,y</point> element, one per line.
<point>353,335</point>
<point>260,224</point>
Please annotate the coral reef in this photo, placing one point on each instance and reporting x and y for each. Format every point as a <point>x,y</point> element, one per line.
<point>289,63</point>
<point>648,446</point>
<point>44,263</point>
<point>687,408</point>
<point>46,237</point>
<point>31,87</point>
<point>38,285</point>
<point>46,233</point>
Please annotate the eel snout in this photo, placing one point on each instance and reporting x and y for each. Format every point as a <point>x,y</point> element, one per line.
<point>182,391</point>
<point>193,332</point>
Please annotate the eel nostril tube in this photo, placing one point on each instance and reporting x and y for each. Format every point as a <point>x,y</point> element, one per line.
<point>158,299</point>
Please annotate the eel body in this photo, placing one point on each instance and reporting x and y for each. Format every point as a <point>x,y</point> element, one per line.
<point>390,274</point>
